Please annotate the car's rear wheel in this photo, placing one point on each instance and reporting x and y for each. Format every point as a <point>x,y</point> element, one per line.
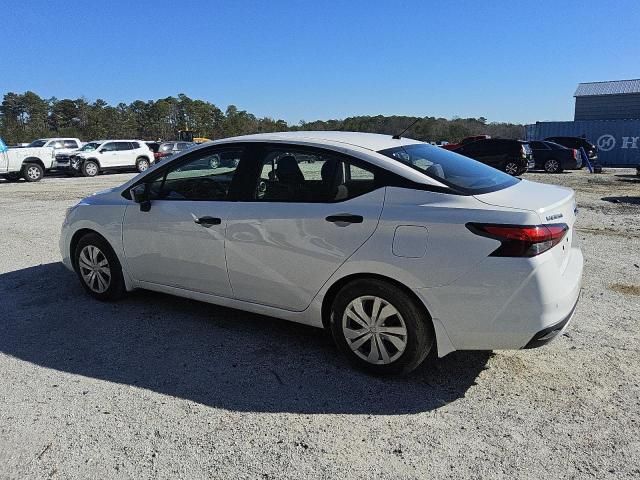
<point>142,164</point>
<point>32,172</point>
<point>552,166</point>
<point>380,328</point>
<point>90,168</point>
<point>98,268</point>
<point>512,168</point>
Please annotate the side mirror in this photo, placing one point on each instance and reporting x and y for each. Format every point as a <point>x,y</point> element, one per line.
<point>102,150</point>
<point>140,194</point>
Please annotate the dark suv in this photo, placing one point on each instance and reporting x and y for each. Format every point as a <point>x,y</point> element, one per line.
<point>511,156</point>
<point>577,143</point>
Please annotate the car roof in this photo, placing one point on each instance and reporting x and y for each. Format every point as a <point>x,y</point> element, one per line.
<point>365,146</point>
<point>369,141</point>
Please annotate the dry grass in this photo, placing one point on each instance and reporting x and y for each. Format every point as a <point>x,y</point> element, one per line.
<point>626,289</point>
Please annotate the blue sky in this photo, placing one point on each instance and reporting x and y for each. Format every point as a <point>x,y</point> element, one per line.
<point>512,60</point>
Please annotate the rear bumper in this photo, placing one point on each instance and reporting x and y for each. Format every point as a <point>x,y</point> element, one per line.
<point>506,303</point>
<point>548,334</point>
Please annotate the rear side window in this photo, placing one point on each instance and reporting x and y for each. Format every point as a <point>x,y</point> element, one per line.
<point>457,171</point>
<point>134,145</point>
<point>289,174</point>
<point>123,146</point>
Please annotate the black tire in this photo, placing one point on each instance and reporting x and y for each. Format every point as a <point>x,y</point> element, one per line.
<point>552,166</point>
<point>142,164</point>
<point>418,340</point>
<point>115,284</point>
<point>512,168</point>
<point>90,168</point>
<point>32,172</point>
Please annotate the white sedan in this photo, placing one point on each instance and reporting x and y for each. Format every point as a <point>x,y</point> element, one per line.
<point>396,246</point>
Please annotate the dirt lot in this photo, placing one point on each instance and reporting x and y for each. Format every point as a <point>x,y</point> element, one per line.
<point>161,387</point>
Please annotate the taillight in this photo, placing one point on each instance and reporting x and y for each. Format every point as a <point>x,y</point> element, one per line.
<point>575,154</point>
<point>521,240</point>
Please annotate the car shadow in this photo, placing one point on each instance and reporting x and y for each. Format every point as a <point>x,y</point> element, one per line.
<point>215,356</point>
<point>624,200</point>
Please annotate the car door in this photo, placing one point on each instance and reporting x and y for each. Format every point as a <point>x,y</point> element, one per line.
<point>541,152</point>
<point>108,155</point>
<point>124,154</point>
<point>301,215</point>
<point>179,241</point>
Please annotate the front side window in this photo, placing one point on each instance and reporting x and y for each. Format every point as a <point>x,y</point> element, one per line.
<point>109,147</point>
<point>457,171</point>
<point>56,144</point>
<point>70,144</point>
<point>291,174</point>
<point>90,147</point>
<point>538,146</point>
<point>205,177</point>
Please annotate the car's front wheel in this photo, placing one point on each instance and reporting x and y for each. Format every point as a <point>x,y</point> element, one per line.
<point>98,268</point>
<point>380,328</point>
<point>90,168</point>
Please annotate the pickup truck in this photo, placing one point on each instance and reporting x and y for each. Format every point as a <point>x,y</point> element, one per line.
<point>29,163</point>
<point>464,141</point>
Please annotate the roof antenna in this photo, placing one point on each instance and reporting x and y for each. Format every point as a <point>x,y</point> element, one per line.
<point>397,137</point>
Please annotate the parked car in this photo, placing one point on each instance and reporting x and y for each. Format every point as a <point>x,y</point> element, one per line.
<point>63,147</point>
<point>511,156</point>
<point>29,163</point>
<point>577,143</point>
<point>105,155</point>
<point>167,149</point>
<point>553,157</point>
<point>395,246</point>
<point>464,141</point>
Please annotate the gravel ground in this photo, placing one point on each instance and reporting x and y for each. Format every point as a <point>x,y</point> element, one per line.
<point>156,386</point>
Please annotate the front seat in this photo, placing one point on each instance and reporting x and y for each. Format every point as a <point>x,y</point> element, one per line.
<point>332,180</point>
<point>290,176</point>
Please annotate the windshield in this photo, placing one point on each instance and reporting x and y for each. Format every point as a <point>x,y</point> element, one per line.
<point>37,143</point>
<point>452,169</point>
<point>89,147</point>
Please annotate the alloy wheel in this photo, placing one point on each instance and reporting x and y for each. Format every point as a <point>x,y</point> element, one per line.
<point>552,166</point>
<point>143,165</point>
<point>91,169</point>
<point>374,330</point>
<point>511,168</point>
<point>94,268</point>
<point>33,172</point>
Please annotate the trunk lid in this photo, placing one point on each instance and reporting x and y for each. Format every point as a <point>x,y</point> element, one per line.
<point>552,203</point>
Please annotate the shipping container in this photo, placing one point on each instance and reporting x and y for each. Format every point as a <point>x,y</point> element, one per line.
<point>618,141</point>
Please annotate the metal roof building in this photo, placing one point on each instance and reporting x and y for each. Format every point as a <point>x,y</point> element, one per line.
<point>619,99</point>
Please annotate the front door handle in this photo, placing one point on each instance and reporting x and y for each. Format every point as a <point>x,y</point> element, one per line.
<point>208,221</point>
<point>345,218</point>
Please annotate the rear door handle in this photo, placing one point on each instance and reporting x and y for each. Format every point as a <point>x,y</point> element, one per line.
<point>345,218</point>
<point>208,221</point>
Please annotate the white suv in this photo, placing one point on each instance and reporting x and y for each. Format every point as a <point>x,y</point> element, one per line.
<point>103,155</point>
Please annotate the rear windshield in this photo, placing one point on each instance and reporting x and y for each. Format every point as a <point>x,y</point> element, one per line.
<point>457,171</point>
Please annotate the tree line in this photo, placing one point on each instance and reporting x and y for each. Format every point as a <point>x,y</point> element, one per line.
<point>27,116</point>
